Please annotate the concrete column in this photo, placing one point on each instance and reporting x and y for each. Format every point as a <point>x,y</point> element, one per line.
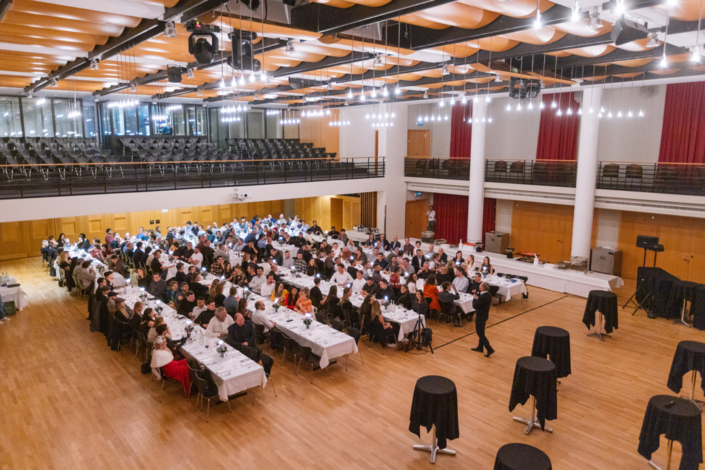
<point>476,200</point>
<point>392,145</point>
<point>587,173</point>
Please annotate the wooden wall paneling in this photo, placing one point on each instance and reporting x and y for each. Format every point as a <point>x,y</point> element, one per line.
<point>545,229</point>
<point>677,235</point>
<point>38,230</point>
<point>119,222</point>
<point>368,209</point>
<point>415,218</point>
<point>13,240</point>
<point>72,227</point>
<point>317,131</point>
<point>336,213</point>
<point>225,213</point>
<point>94,226</point>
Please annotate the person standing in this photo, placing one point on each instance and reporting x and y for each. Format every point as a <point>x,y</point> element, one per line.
<point>482,303</point>
<point>431,217</point>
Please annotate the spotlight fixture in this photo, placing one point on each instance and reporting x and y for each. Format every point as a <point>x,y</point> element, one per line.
<point>93,65</point>
<point>290,47</point>
<point>329,87</point>
<point>170,30</point>
<point>133,87</point>
<point>695,56</point>
<point>189,73</point>
<point>619,8</point>
<point>595,22</point>
<point>537,21</point>
<point>378,61</point>
<point>498,79</point>
<point>397,90</point>
<point>425,95</point>
<point>444,70</point>
<point>30,95</point>
<point>199,92</point>
<point>54,82</point>
<point>198,42</point>
<point>653,40</point>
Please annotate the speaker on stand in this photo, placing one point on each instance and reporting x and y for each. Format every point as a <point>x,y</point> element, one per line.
<point>648,300</point>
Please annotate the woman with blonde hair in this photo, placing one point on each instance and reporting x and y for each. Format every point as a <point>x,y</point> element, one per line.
<point>381,329</point>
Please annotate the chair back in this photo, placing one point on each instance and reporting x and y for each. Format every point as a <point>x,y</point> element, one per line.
<point>337,324</point>
<point>494,290</point>
<point>321,318</point>
<point>290,344</point>
<point>202,386</point>
<point>446,307</point>
<point>354,333</point>
<point>259,334</point>
<point>305,353</point>
<point>611,170</point>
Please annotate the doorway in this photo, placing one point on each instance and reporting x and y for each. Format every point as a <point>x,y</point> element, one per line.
<point>418,143</point>
<point>336,213</point>
<point>415,218</point>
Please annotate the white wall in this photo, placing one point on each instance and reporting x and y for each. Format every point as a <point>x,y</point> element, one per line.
<point>512,135</point>
<point>636,139</point>
<point>440,130</point>
<point>608,229</point>
<point>503,216</point>
<point>358,139</point>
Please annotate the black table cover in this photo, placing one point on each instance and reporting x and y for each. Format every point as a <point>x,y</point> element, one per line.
<point>606,303</point>
<point>435,402</point>
<point>521,457</point>
<point>680,422</point>
<point>697,307</point>
<point>690,355</point>
<point>553,342</point>
<point>535,376</point>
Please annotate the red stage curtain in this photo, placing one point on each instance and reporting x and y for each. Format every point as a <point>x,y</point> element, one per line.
<point>558,135</point>
<point>489,215</point>
<point>451,217</point>
<point>683,132</point>
<point>460,131</point>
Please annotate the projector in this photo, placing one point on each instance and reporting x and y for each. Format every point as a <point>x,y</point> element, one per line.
<point>240,197</point>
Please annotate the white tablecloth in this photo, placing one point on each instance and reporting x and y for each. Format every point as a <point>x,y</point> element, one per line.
<point>232,374</point>
<point>507,288</point>
<point>405,318</point>
<point>324,341</point>
<point>14,294</point>
<point>546,276</point>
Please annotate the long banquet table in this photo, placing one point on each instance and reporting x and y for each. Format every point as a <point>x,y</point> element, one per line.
<point>233,373</point>
<point>14,294</point>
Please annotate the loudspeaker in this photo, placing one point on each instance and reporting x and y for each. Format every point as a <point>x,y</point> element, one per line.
<point>173,74</point>
<point>625,31</point>
<point>645,241</point>
<point>657,248</point>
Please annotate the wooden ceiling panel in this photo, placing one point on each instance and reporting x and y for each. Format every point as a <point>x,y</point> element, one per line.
<point>515,8</point>
<point>580,28</point>
<point>458,15</point>
<point>274,31</point>
<point>592,51</point>
<point>636,46</point>
<point>44,21</point>
<point>31,41</point>
<point>69,13</point>
<point>685,10</point>
<point>53,34</point>
<point>545,35</point>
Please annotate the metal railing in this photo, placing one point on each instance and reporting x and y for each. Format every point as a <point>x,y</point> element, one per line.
<point>74,179</point>
<point>534,172</point>
<point>441,168</point>
<point>669,178</point>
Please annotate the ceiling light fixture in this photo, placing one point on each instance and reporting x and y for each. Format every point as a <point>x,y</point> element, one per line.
<point>385,92</point>
<point>350,94</point>
<point>664,61</point>
<point>575,16</point>
<point>653,40</point>
<point>94,65</point>
<point>290,47</point>
<point>170,30</point>
<point>444,70</point>
<point>537,21</point>
<point>189,73</point>
<point>464,100</point>
<point>397,90</point>
<point>595,21</point>
<point>620,8</point>
<point>425,95</point>
<point>378,61</point>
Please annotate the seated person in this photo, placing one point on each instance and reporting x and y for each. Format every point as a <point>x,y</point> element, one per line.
<point>163,358</point>
<point>219,324</point>
<point>381,329</point>
<point>404,298</point>
<point>304,304</point>
<point>259,317</point>
<point>267,289</point>
<point>241,333</point>
<point>205,317</point>
<point>341,277</point>
<point>359,283</point>
<point>370,288</point>
<point>486,267</point>
<point>449,297</point>
<point>385,291</point>
<point>157,287</point>
<point>187,305</point>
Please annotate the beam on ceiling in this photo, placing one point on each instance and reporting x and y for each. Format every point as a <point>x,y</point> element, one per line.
<point>417,37</point>
<point>186,10</point>
<point>129,38</point>
<point>326,19</point>
<point>618,55</point>
<point>147,79</point>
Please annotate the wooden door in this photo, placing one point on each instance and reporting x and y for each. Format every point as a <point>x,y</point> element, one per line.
<point>415,218</point>
<point>336,213</point>
<point>418,143</point>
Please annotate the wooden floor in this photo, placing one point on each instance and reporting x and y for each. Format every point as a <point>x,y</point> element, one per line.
<point>68,401</point>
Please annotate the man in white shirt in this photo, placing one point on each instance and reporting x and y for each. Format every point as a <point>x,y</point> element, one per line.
<point>267,288</point>
<point>358,283</point>
<point>200,306</point>
<point>335,250</point>
<point>282,220</point>
<point>431,216</point>
<point>196,258</point>
<point>239,245</point>
<point>258,280</point>
<point>288,261</point>
<point>342,277</point>
<point>259,317</point>
<point>218,326</point>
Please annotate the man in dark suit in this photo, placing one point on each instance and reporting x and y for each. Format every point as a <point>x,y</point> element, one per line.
<point>418,260</point>
<point>395,243</point>
<point>137,254</point>
<point>482,304</point>
<point>157,287</point>
<point>241,333</point>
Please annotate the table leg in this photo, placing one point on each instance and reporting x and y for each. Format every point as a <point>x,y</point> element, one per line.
<point>698,403</point>
<point>533,422</point>
<point>598,334</point>
<point>433,448</point>
<point>682,320</point>
<point>669,450</point>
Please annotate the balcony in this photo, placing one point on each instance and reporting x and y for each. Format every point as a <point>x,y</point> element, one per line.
<point>664,178</point>
<point>114,177</point>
